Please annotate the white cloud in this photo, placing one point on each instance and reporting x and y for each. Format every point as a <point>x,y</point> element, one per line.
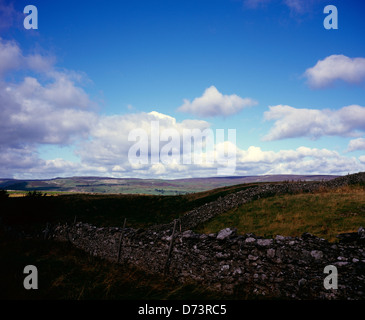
<point>292,122</point>
<point>213,103</point>
<point>336,67</point>
<point>39,63</point>
<point>10,56</point>
<point>33,113</point>
<point>106,153</point>
<point>302,160</point>
<point>16,159</point>
<point>55,112</point>
<point>356,144</point>
<point>109,143</point>
<point>253,161</point>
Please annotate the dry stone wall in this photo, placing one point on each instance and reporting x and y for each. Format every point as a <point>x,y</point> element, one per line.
<point>245,265</point>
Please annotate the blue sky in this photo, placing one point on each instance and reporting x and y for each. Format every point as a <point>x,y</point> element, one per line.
<point>300,105</point>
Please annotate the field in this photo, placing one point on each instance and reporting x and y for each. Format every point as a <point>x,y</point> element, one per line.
<point>324,214</point>
<point>68,273</point>
<point>141,211</point>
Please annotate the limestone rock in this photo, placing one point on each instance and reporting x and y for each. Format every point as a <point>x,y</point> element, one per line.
<point>225,233</point>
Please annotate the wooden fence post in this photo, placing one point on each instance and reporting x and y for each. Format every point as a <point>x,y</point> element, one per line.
<point>120,240</point>
<point>166,269</point>
<point>69,238</point>
<point>46,231</point>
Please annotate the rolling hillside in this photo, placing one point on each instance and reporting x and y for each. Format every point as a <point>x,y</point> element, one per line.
<point>144,186</point>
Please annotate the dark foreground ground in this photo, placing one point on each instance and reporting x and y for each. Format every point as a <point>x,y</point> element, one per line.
<point>68,273</point>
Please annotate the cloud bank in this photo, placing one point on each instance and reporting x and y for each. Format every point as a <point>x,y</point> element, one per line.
<point>48,107</point>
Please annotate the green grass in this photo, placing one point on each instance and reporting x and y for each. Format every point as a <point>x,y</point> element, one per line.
<point>324,214</point>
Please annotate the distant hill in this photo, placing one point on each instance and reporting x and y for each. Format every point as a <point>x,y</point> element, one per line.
<point>145,186</point>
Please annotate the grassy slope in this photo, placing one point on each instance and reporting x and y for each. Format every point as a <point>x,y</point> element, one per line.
<point>324,214</point>
<point>141,186</point>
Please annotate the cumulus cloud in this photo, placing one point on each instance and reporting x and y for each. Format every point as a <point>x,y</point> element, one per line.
<point>110,143</point>
<point>356,144</point>
<point>16,159</point>
<point>34,113</point>
<point>12,59</point>
<point>54,112</point>
<point>292,122</point>
<point>213,103</point>
<point>336,67</point>
<point>10,56</point>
